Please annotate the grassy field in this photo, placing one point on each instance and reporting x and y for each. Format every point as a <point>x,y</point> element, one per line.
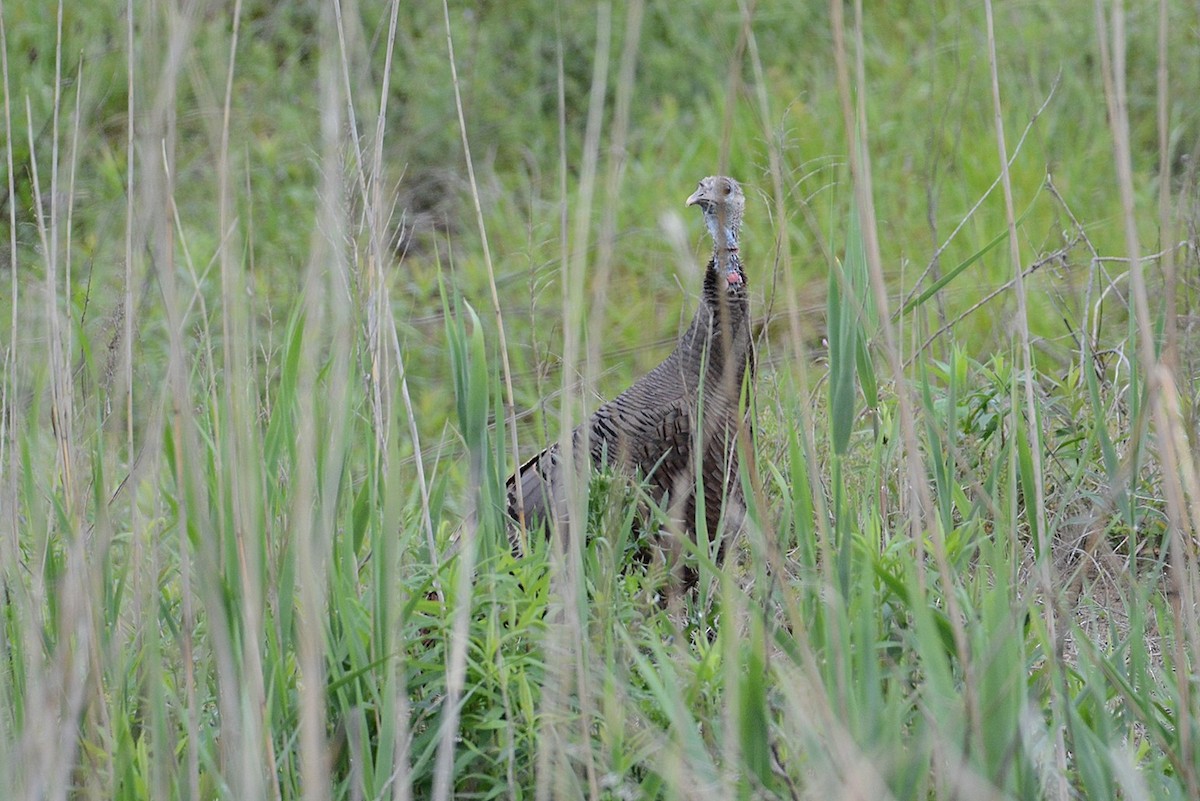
<point>289,283</point>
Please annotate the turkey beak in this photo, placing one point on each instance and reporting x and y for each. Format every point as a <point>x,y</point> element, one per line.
<point>699,198</point>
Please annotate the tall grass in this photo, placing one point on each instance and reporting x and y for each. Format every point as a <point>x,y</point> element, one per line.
<point>234,566</point>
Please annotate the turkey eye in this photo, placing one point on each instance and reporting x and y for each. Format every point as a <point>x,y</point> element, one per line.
<point>728,189</point>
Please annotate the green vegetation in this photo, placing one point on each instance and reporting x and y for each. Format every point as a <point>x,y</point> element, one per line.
<point>258,361</point>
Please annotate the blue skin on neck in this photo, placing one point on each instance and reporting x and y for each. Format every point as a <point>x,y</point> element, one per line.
<point>729,234</point>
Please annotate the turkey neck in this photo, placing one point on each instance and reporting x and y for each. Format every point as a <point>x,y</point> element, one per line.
<point>719,333</point>
<point>718,290</point>
<point>725,299</point>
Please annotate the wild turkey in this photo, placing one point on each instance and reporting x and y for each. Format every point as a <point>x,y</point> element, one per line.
<point>650,429</point>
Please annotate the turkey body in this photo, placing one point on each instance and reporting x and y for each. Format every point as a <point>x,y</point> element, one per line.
<point>686,405</point>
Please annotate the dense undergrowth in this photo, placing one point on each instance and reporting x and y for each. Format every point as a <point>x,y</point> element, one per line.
<point>261,383</point>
